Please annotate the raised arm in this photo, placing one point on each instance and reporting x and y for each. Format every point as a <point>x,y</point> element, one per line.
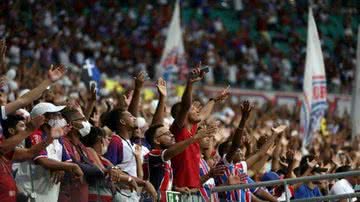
<point>54,74</point>
<point>186,99</point>
<point>181,146</point>
<point>134,104</point>
<point>10,143</point>
<point>160,110</point>
<point>245,109</point>
<point>293,158</point>
<point>254,158</point>
<point>208,108</point>
<point>91,102</point>
<point>23,154</point>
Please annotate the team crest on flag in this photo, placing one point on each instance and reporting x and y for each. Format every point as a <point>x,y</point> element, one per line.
<point>314,102</point>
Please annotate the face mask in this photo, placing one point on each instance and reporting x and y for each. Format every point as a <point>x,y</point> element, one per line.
<point>57,123</point>
<point>85,130</point>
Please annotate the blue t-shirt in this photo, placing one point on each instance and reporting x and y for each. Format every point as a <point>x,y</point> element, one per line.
<point>305,192</point>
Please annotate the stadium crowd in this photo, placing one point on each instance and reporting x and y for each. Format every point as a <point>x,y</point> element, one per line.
<point>258,43</point>
<point>61,140</point>
<point>59,147</point>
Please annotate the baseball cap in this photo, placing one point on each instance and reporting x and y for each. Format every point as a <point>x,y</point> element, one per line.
<point>45,107</point>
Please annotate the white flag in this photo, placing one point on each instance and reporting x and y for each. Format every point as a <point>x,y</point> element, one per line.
<point>314,101</point>
<point>173,63</point>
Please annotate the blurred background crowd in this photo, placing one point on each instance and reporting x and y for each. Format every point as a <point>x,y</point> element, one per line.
<point>250,44</point>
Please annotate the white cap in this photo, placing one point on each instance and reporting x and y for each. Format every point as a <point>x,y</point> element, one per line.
<point>45,107</point>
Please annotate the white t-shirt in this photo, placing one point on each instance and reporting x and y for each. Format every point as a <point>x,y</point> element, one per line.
<point>44,188</point>
<point>128,163</point>
<point>342,187</point>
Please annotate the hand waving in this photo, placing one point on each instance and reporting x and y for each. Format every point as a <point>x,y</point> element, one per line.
<point>161,86</point>
<point>245,109</point>
<point>223,95</point>
<point>140,79</point>
<point>56,72</point>
<point>92,92</point>
<point>205,132</point>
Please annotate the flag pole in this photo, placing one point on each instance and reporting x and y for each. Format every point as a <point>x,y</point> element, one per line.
<point>355,106</point>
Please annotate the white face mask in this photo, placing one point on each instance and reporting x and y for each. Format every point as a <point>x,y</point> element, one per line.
<point>57,123</point>
<point>85,130</point>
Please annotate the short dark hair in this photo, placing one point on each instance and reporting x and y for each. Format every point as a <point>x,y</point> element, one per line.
<point>175,109</point>
<point>11,122</point>
<point>150,133</point>
<point>93,137</point>
<point>111,119</point>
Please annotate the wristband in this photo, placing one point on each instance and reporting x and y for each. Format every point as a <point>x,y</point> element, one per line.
<point>130,179</point>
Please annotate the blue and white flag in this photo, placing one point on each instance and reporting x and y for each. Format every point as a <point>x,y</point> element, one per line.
<point>314,102</point>
<point>91,72</point>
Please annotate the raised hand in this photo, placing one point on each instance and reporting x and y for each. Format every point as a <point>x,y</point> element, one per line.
<point>92,92</point>
<point>124,100</point>
<point>196,74</point>
<point>245,109</point>
<point>140,79</point>
<point>270,151</point>
<point>161,86</point>
<point>205,132</point>
<point>96,118</point>
<point>56,72</point>
<point>223,95</point>
<point>279,129</point>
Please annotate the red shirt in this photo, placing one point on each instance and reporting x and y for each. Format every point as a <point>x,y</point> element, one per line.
<point>7,183</point>
<point>186,164</point>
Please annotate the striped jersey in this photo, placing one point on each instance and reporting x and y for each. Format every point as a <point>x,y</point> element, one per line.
<point>231,169</point>
<point>205,190</point>
<point>159,171</point>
